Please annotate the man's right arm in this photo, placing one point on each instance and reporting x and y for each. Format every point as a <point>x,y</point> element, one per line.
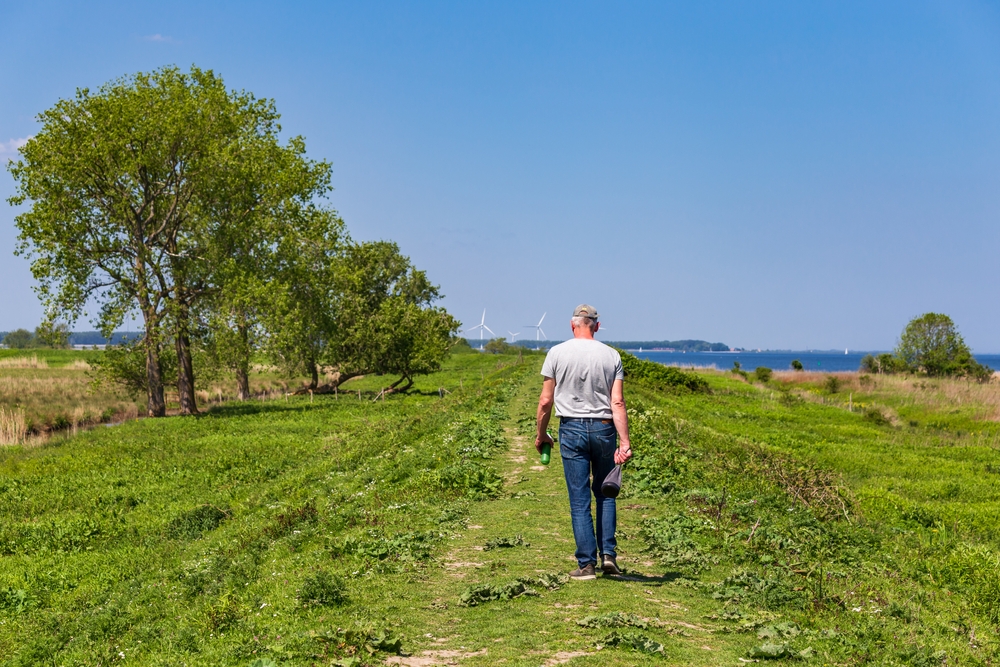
<point>544,414</point>
<point>620,415</point>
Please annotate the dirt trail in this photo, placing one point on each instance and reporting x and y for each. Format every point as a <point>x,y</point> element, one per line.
<point>545,629</point>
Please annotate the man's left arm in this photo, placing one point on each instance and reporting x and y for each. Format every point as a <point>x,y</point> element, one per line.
<point>620,415</point>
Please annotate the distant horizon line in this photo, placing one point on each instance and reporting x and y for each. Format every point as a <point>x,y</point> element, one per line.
<point>635,345</point>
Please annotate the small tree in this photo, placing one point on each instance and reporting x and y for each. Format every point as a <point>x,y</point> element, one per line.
<point>796,365</point>
<point>19,339</point>
<point>763,373</point>
<point>931,344</point>
<point>497,346</point>
<point>54,335</point>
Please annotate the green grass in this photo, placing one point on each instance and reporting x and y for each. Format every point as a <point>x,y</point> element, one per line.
<point>325,530</point>
<point>54,358</point>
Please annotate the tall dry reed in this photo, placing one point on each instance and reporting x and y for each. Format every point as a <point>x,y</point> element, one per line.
<point>13,427</point>
<point>24,362</point>
<point>938,394</point>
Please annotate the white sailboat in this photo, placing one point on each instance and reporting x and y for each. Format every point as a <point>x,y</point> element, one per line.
<point>845,350</point>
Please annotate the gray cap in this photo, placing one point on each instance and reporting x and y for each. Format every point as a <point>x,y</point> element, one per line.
<point>583,310</point>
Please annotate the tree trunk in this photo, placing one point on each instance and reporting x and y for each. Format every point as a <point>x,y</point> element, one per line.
<point>185,369</point>
<point>243,364</point>
<point>155,405</point>
<point>329,387</point>
<point>242,383</point>
<point>185,375</point>
<point>394,387</point>
<point>314,375</point>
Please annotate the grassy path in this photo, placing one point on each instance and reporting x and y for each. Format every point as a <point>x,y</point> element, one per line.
<point>544,630</point>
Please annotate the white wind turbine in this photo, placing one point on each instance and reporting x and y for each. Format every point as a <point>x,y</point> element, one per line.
<point>481,326</point>
<point>539,334</point>
<point>513,336</point>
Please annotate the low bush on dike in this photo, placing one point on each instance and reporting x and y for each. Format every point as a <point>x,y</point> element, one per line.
<point>658,376</point>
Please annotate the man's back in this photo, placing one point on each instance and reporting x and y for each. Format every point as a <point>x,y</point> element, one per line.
<point>584,371</point>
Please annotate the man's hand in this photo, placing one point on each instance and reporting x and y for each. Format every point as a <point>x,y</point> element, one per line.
<point>542,439</point>
<point>623,453</point>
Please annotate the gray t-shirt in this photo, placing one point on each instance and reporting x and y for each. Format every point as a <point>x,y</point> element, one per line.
<point>584,371</point>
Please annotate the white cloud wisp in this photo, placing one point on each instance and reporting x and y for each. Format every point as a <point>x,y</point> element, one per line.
<point>10,147</point>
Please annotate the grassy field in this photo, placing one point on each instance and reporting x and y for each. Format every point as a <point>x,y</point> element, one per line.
<point>45,393</point>
<point>780,520</point>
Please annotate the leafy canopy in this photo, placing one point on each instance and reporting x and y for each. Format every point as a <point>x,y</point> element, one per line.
<point>931,344</point>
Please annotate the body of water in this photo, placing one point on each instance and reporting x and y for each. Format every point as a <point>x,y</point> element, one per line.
<point>779,361</point>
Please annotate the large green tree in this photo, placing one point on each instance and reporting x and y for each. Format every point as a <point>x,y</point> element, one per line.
<point>931,344</point>
<point>137,191</point>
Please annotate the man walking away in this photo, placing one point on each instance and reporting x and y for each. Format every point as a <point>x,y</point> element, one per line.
<point>583,378</point>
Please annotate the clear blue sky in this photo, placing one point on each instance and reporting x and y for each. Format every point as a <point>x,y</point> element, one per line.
<point>766,174</point>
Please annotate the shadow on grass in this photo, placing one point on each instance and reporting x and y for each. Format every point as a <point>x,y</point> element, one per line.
<point>664,578</point>
<point>256,408</point>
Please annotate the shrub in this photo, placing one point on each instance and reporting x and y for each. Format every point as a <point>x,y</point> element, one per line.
<point>832,384</point>
<point>883,363</point>
<point>762,373</point>
<point>875,416</point>
<point>796,365</point>
<point>658,376</point>
<point>497,346</point>
<point>323,589</point>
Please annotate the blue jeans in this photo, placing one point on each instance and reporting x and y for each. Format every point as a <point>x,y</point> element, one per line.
<point>588,447</point>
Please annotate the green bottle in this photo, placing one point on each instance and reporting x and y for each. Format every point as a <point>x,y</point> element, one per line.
<point>546,452</point>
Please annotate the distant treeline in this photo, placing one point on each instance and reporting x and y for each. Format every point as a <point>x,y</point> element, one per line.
<point>679,345</point>
<point>41,338</point>
<point>95,337</point>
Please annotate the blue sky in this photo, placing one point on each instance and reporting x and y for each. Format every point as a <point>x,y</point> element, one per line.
<point>766,174</point>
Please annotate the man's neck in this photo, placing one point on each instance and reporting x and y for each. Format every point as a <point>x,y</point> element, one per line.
<point>584,333</point>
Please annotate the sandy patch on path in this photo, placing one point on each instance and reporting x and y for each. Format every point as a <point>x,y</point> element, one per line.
<point>432,658</point>
<point>564,657</point>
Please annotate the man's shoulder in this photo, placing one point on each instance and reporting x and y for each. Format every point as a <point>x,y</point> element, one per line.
<point>584,347</point>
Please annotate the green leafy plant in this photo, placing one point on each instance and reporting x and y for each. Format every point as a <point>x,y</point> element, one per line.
<point>520,587</point>
<point>505,543</point>
<point>632,641</point>
<point>196,522</point>
<point>323,589</point>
